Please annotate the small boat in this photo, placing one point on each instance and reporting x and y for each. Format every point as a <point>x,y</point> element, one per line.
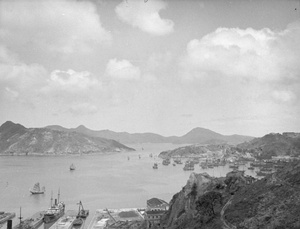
<point>188,166</point>
<point>81,212</point>
<point>155,166</point>
<point>37,190</point>
<point>72,167</point>
<point>234,166</point>
<point>78,223</point>
<point>4,216</point>
<point>166,161</point>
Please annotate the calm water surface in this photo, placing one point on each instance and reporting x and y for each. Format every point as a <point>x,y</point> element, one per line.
<point>99,181</point>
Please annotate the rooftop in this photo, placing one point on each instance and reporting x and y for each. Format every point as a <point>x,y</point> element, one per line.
<point>155,202</point>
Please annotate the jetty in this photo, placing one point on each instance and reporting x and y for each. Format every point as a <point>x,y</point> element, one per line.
<point>116,218</point>
<point>65,222</point>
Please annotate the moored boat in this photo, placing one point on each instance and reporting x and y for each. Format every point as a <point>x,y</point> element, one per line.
<point>56,211</point>
<point>78,223</point>
<point>82,213</point>
<point>33,222</point>
<point>234,166</point>
<point>188,166</point>
<point>166,161</point>
<point>37,190</point>
<point>155,166</point>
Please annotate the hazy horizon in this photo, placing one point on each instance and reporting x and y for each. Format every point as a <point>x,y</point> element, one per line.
<point>156,66</point>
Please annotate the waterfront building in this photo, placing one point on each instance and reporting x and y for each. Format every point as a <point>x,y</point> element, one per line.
<point>154,211</point>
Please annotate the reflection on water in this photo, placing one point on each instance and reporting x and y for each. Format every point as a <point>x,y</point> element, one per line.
<point>118,180</point>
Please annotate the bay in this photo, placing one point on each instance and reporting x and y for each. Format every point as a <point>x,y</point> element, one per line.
<point>111,180</point>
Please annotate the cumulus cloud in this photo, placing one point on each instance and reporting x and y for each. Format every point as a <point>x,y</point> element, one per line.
<point>72,81</point>
<point>57,26</point>
<point>262,55</point>
<point>145,16</point>
<point>34,86</point>
<point>123,70</point>
<point>19,81</point>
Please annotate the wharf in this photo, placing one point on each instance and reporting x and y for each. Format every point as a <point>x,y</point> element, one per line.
<point>4,216</point>
<point>116,218</point>
<point>66,221</point>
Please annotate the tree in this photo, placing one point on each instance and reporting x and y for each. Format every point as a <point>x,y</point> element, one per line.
<point>194,190</point>
<point>206,203</point>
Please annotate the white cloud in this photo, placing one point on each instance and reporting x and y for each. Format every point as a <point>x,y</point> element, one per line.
<point>19,81</point>
<point>262,55</point>
<point>72,81</point>
<point>145,16</point>
<point>122,69</point>
<point>63,26</point>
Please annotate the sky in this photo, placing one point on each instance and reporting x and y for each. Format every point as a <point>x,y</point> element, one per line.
<point>161,66</point>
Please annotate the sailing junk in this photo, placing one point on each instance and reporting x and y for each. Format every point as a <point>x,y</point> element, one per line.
<point>37,190</point>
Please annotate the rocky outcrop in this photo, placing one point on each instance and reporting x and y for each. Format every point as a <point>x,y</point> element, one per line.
<point>273,202</point>
<point>15,139</point>
<point>183,211</point>
<point>237,201</point>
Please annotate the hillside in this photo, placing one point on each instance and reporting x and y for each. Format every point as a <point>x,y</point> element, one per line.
<point>237,201</point>
<point>221,151</point>
<point>15,139</point>
<point>274,145</point>
<point>197,135</point>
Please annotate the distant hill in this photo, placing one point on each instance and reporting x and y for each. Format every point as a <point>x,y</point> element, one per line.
<point>206,136</point>
<point>274,144</point>
<point>197,135</point>
<point>16,139</point>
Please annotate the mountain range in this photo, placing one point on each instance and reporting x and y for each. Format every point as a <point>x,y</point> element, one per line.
<point>195,136</point>
<point>16,139</point>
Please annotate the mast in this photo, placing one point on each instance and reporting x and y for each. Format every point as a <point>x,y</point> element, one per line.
<point>20,217</point>
<point>58,195</point>
<point>51,198</point>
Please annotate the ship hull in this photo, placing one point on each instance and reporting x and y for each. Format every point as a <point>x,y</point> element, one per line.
<point>33,222</point>
<point>52,218</point>
<point>33,192</point>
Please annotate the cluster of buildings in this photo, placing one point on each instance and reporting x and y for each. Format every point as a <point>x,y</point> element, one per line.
<point>130,218</point>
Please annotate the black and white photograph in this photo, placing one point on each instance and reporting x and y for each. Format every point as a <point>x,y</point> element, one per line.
<point>161,114</point>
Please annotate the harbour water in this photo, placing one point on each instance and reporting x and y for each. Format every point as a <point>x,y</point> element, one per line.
<point>117,180</point>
